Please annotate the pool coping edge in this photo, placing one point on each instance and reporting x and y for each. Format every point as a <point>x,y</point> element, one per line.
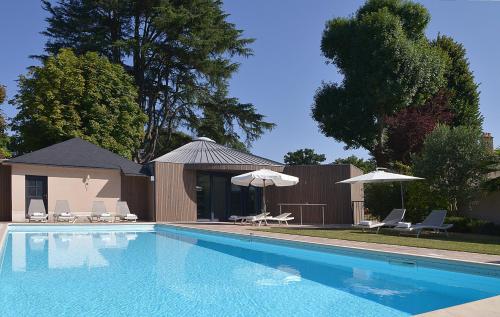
<point>299,239</point>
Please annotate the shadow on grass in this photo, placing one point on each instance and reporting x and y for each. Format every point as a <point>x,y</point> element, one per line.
<point>426,235</point>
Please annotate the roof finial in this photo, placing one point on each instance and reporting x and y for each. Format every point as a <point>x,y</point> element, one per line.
<point>203,138</point>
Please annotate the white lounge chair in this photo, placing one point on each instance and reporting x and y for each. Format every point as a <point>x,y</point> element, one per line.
<point>123,212</point>
<point>392,219</point>
<point>62,212</point>
<point>99,212</point>
<point>36,211</point>
<point>434,221</point>
<point>284,217</point>
<point>257,219</point>
<point>252,219</point>
<point>235,218</point>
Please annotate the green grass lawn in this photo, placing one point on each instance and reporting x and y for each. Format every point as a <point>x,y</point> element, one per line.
<point>456,241</point>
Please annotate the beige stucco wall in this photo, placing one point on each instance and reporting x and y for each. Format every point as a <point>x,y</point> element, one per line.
<point>487,207</point>
<point>67,183</point>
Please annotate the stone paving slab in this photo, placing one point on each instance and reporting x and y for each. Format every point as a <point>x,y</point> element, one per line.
<point>489,307</point>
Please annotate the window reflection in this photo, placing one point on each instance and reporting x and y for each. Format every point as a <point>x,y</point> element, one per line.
<point>32,251</point>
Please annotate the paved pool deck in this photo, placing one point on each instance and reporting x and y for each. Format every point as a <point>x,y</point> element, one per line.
<point>3,235</point>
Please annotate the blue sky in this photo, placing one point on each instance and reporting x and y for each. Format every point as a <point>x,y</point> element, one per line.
<point>287,68</point>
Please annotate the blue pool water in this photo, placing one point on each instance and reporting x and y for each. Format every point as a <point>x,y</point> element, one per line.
<point>164,271</point>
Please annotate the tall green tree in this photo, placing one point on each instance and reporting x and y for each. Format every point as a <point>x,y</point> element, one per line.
<point>179,52</point>
<point>304,157</point>
<point>77,96</point>
<point>452,162</point>
<point>4,138</point>
<point>492,167</point>
<point>387,64</point>
<point>460,84</point>
<point>407,129</point>
<point>3,94</point>
<point>366,166</point>
<point>221,116</point>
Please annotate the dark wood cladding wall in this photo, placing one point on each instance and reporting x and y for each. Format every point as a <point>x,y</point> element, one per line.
<point>175,192</point>
<point>135,190</point>
<point>5,193</point>
<point>317,185</point>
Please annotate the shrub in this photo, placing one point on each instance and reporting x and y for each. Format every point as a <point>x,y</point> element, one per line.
<point>470,225</point>
<point>380,199</point>
<point>452,162</point>
<point>421,200</point>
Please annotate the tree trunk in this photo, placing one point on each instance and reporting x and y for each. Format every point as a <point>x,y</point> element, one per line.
<point>378,151</point>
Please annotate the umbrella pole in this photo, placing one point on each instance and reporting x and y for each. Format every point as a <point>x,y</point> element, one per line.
<point>264,197</point>
<point>402,195</point>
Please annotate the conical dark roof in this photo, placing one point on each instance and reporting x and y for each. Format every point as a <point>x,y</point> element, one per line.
<point>206,151</point>
<point>79,153</point>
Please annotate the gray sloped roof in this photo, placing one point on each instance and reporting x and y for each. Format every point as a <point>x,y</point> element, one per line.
<point>79,153</point>
<point>205,151</point>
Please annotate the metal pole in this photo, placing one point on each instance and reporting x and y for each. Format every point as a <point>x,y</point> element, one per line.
<point>323,211</point>
<point>402,199</point>
<point>264,197</point>
<point>280,209</point>
<point>301,215</point>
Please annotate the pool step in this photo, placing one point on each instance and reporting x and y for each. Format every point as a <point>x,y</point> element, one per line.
<point>402,262</point>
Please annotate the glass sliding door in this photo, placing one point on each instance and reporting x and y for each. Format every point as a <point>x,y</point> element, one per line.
<point>253,201</point>
<point>212,196</point>
<point>236,200</point>
<point>219,197</point>
<point>203,196</point>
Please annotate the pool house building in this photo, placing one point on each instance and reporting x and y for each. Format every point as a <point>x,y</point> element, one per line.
<point>191,183</point>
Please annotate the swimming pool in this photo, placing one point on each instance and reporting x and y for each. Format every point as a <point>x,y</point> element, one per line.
<point>146,270</point>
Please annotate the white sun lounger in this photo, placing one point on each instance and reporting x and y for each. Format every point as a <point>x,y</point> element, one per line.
<point>257,219</point>
<point>392,219</point>
<point>434,221</point>
<point>36,211</point>
<point>235,218</point>
<point>284,217</point>
<point>99,212</point>
<point>123,212</point>
<point>62,212</point>
<point>252,219</point>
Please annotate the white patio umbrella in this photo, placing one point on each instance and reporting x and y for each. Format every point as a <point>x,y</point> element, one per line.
<point>263,178</point>
<point>381,176</point>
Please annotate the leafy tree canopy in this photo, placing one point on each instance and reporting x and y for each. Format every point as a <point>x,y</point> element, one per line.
<point>365,165</point>
<point>177,139</point>
<point>3,94</point>
<point>452,161</point>
<point>4,138</point>
<point>407,129</point>
<point>464,92</point>
<point>77,96</point>
<point>304,157</point>
<point>222,115</point>
<point>492,167</point>
<point>180,54</point>
<point>387,64</point>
